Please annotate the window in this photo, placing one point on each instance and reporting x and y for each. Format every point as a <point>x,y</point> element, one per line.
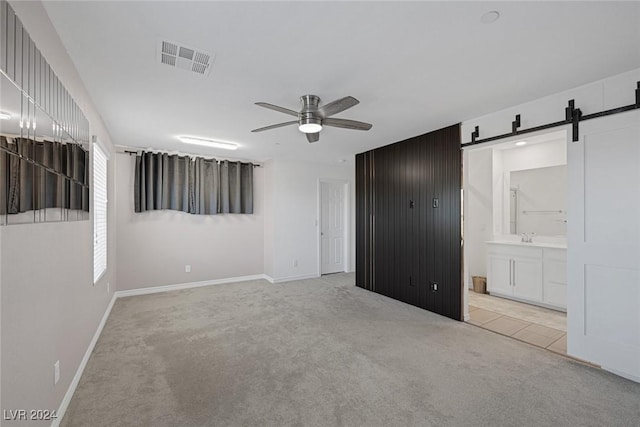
<point>99,212</point>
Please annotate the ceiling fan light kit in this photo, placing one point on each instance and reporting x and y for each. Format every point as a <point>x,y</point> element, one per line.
<point>310,126</point>
<point>311,117</point>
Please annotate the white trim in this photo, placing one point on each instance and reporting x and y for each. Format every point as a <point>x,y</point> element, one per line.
<point>291,278</point>
<point>346,210</point>
<point>620,373</point>
<point>97,141</point>
<point>180,286</point>
<point>76,378</point>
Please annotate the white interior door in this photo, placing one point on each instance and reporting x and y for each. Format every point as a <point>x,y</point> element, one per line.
<point>332,227</point>
<point>603,310</point>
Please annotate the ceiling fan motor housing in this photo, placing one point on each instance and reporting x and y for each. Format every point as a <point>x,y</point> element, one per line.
<point>309,119</point>
<point>309,103</point>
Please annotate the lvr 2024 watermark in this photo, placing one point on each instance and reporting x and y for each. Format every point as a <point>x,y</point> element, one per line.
<point>29,415</point>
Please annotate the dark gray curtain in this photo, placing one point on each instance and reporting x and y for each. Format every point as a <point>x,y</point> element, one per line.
<point>161,182</point>
<point>236,187</point>
<point>200,186</point>
<point>205,187</point>
<point>26,186</point>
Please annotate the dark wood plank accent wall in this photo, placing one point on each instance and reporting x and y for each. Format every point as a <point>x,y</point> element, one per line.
<point>408,221</point>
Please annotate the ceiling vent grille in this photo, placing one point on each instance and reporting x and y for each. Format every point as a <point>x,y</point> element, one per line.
<point>188,58</point>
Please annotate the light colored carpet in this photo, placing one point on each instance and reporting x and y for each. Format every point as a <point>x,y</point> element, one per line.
<point>322,352</point>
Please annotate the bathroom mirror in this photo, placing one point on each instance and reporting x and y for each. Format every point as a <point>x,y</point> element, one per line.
<point>538,201</point>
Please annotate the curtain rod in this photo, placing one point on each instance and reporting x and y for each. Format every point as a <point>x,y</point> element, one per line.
<point>136,150</point>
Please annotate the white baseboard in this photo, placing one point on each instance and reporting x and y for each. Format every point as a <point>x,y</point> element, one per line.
<point>180,286</point>
<point>623,374</point>
<point>76,378</point>
<point>291,278</point>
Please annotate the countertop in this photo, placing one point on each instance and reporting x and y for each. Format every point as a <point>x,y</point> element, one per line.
<point>534,244</point>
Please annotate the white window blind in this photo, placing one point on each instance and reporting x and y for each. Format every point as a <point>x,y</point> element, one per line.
<point>99,212</point>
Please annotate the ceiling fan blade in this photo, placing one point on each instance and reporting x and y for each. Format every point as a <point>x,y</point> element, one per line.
<point>276,108</point>
<point>337,106</point>
<point>313,137</point>
<point>347,124</point>
<point>279,125</point>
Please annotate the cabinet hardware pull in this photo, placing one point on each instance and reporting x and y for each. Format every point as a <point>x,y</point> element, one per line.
<point>510,275</point>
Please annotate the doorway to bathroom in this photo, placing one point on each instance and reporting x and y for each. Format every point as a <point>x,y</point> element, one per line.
<point>515,238</point>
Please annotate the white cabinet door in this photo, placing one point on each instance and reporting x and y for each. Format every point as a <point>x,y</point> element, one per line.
<point>499,275</point>
<point>527,278</point>
<point>555,283</point>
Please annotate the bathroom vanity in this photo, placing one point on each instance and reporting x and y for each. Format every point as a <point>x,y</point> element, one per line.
<point>534,272</point>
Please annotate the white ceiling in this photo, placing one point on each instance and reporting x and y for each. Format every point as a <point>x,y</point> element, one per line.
<point>414,66</point>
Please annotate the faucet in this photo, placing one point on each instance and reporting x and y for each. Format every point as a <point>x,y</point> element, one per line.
<point>527,237</point>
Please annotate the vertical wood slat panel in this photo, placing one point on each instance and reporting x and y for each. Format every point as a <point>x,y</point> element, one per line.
<point>361,225</point>
<point>412,247</point>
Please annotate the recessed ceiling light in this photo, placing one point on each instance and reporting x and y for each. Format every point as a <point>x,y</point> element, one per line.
<point>208,142</point>
<point>5,116</point>
<point>521,143</point>
<point>490,17</point>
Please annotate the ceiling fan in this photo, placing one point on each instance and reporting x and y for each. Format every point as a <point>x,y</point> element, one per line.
<point>312,117</point>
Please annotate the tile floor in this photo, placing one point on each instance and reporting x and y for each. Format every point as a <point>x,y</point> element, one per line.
<point>534,325</point>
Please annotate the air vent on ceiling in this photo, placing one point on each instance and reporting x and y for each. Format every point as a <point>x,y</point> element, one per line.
<point>180,56</point>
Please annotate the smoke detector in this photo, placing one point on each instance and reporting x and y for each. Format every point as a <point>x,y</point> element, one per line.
<point>188,58</point>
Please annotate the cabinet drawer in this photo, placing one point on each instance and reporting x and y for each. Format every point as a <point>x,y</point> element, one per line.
<point>555,254</point>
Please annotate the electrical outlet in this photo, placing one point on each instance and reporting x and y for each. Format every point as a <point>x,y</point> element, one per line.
<point>295,262</point>
<point>56,372</point>
<point>187,268</point>
<point>108,287</point>
<point>434,286</point>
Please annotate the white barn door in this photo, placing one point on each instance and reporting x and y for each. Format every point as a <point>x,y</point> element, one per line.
<point>332,227</point>
<point>604,243</point>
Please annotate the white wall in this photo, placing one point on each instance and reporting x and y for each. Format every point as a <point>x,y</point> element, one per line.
<point>154,247</point>
<point>50,308</point>
<point>478,209</point>
<point>609,93</point>
<point>543,155</point>
<point>269,219</point>
<point>296,216</point>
